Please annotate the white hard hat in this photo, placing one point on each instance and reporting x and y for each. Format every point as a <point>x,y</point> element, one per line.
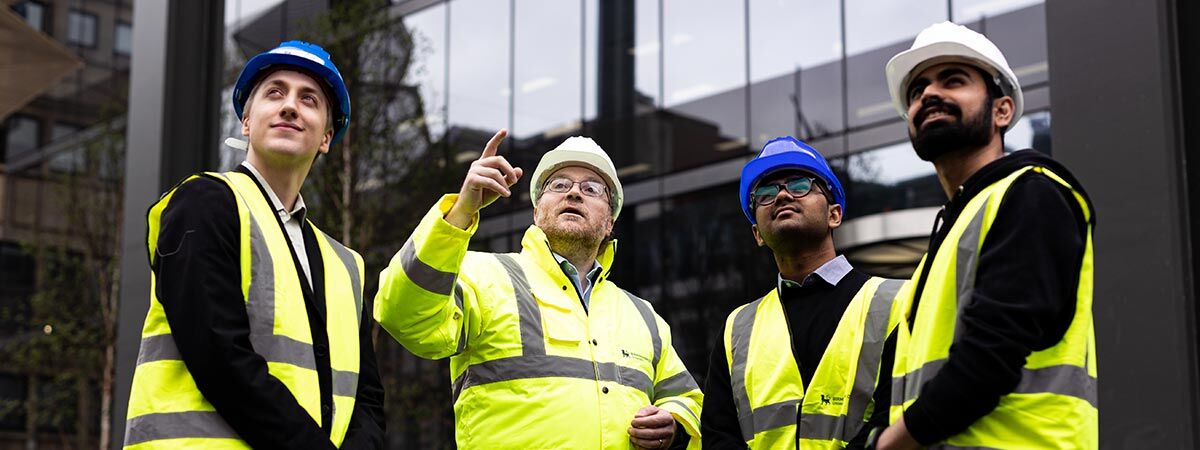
<point>948,42</point>
<point>578,151</point>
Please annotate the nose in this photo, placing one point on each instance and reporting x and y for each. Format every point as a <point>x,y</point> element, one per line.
<point>287,109</point>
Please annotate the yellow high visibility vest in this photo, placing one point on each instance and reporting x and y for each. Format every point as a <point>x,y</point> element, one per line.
<point>768,390</point>
<point>530,368</point>
<point>166,410</point>
<point>1054,405</point>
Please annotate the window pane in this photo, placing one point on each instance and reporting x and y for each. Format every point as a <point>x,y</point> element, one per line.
<point>548,59</point>
<point>972,10</point>
<point>781,60</point>
<point>23,133</point>
<point>704,81</point>
<point>479,71</point>
<point>81,29</point>
<point>34,14</point>
<point>428,67</point>
<point>123,42</point>
<point>875,31</point>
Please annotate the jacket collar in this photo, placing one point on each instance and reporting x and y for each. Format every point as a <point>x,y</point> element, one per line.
<point>536,246</point>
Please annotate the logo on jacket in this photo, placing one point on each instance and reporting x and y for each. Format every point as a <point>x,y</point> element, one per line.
<point>829,400</point>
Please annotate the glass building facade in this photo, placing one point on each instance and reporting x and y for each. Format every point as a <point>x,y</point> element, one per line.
<point>680,93</point>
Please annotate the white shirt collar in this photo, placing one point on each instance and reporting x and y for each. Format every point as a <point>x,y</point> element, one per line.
<point>278,205</point>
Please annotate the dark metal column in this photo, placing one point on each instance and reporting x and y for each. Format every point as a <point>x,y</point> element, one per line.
<point>172,131</point>
<point>1118,122</point>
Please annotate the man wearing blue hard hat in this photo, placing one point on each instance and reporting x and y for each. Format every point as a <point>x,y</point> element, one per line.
<point>258,334</point>
<point>797,367</point>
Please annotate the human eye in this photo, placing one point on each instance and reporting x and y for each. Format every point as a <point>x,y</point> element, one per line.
<point>559,185</point>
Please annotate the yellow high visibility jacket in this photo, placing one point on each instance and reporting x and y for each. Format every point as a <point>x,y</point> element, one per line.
<point>1054,405</point>
<point>166,410</point>
<point>768,390</point>
<point>530,368</point>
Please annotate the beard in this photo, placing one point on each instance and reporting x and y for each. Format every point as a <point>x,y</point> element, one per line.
<point>570,239</point>
<point>940,138</point>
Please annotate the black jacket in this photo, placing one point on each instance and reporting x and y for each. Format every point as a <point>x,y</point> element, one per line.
<point>198,284</point>
<point>1024,296</point>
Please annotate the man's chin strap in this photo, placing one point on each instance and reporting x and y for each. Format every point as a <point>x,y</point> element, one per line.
<point>237,144</point>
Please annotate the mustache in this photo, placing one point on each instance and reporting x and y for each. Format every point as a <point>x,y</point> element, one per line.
<point>932,104</point>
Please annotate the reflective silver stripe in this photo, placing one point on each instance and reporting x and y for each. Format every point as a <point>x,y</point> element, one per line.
<point>775,415</point>
<point>157,348</point>
<point>351,268</point>
<point>821,427</point>
<point>283,349</point>
<point>176,425</point>
<point>908,386</point>
<point>678,384</point>
<point>651,325</point>
<point>345,383</point>
<point>1066,379</point>
<point>682,405</point>
<point>544,366</point>
<point>422,274</point>
<point>743,324</point>
<point>875,332</point>
<point>462,331</point>
<point>533,341</point>
<point>955,447</point>
<point>965,263</point>
<point>260,297</point>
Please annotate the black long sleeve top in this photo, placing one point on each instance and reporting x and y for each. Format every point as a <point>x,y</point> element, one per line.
<point>813,310</point>
<point>1024,296</point>
<point>198,285</point>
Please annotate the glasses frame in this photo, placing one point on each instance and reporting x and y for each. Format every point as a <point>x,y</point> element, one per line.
<point>813,183</point>
<point>603,187</point>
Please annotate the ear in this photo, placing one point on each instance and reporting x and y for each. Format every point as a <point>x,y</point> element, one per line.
<point>835,216</point>
<point>246,125</point>
<point>324,148</point>
<point>757,237</point>
<point>1002,112</point>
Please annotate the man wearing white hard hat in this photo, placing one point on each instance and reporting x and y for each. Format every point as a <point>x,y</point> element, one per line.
<point>545,351</point>
<point>996,348</point>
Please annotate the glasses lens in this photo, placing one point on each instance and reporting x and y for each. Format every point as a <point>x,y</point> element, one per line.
<point>799,187</point>
<point>765,195</point>
<point>592,188</point>
<point>559,185</point>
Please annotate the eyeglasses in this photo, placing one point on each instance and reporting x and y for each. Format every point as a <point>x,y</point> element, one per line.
<point>765,193</point>
<point>590,188</point>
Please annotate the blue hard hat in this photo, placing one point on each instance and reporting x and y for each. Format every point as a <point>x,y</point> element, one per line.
<point>787,153</point>
<point>308,57</point>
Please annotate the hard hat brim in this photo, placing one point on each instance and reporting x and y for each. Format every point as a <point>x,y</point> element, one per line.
<point>904,65</point>
<point>759,168</point>
<point>560,158</point>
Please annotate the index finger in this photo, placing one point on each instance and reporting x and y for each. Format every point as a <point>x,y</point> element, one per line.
<point>494,143</point>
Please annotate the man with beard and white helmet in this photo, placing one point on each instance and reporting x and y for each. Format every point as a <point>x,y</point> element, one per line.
<point>997,344</point>
<point>545,351</point>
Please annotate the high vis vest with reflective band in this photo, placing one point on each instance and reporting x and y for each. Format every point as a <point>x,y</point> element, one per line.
<point>767,387</point>
<point>530,369</point>
<point>166,410</point>
<point>1054,405</point>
